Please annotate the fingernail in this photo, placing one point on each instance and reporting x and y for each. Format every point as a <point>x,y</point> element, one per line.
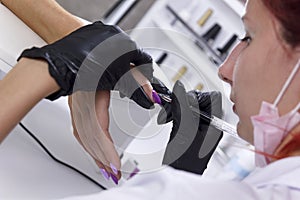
<point>114,169</point>
<point>104,173</point>
<point>156,98</point>
<point>114,178</point>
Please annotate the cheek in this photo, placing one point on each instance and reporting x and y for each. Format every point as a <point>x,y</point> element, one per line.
<point>246,86</point>
<point>245,93</point>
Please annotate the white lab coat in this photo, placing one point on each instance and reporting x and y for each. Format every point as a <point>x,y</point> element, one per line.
<point>279,180</point>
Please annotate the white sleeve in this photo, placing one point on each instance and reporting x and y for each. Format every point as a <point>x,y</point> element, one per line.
<point>169,183</point>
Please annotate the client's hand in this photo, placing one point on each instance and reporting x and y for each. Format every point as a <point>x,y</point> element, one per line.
<point>192,141</point>
<point>90,120</point>
<point>97,57</point>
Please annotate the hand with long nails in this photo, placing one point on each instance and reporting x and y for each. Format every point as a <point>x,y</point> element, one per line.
<point>91,125</point>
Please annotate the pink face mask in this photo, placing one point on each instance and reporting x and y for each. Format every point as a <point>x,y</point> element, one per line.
<point>270,128</point>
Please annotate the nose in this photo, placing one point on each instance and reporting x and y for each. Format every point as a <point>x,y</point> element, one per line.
<point>226,69</point>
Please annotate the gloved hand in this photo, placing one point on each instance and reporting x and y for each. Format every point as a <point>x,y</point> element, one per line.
<point>161,89</point>
<point>192,141</point>
<point>96,57</point>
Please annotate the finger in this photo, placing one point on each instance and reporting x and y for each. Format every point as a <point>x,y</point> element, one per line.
<point>209,102</point>
<point>143,81</point>
<point>103,170</point>
<point>75,133</point>
<point>102,103</point>
<point>102,106</point>
<point>70,101</point>
<point>100,164</point>
<point>111,156</point>
<point>160,87</point>
<point>86,124</point>
<point>179,93</point>
<point>146,85</point>
<point>182,111</point>
<point>165,114</point>
<point>94,144</point>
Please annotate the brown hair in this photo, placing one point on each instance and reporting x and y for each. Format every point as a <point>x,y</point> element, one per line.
<point>289,147</point>
<point>287,12</point>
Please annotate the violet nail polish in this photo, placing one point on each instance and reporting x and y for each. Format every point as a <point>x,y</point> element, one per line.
<point>114,178</point>
<point>114,169</point>
<point>156,97</point>
<point>104,173</point>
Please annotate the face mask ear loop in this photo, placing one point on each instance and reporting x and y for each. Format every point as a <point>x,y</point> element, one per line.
<point>287,83</point>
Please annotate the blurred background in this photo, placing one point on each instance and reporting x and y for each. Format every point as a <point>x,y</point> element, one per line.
<point>93,10</point>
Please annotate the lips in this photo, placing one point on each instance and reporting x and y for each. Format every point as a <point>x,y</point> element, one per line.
<point>233,108</point>
<point>233,101</point>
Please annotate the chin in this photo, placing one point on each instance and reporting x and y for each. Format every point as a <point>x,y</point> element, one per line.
<point>238,129</point>
<point>243,133</point>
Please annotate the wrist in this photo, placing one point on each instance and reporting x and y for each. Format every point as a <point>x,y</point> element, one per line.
<point>21,89</point>
<point>36,78</point>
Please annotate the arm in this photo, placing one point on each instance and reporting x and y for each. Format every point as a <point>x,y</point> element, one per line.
<point>26,84</point>
<point>52,23</point>
<point>19,91</point>
<point>46,17</point>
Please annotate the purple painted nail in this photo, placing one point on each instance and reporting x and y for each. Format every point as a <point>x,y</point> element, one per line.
<point>156,97</point>
<point>114,178</point>
<point>114,169</point>
<point>104,173</point>
<point>135,171</point>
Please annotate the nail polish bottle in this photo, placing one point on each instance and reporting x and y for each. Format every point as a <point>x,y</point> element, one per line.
<point>162,58</point>
<point>200,87</point>
<point>180,73</point>
<point>130,168</point>
<point>203,19</point>
<point>212,33</point>
<point>223,51</point>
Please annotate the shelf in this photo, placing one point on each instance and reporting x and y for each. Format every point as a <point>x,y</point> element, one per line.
<point>192,51</point>
<point>199,40</point>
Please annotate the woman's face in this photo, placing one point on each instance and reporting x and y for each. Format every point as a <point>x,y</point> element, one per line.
<point>257,68</point>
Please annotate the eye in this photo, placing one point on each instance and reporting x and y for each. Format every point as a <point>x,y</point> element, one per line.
<point>246,39</point>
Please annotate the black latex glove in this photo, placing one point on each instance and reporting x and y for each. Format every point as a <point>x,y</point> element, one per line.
<point>192,141</point>
<point>161,89</point>
<point>96,57</point>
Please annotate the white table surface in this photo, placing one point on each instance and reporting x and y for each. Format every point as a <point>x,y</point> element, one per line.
<point>27,172</point>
